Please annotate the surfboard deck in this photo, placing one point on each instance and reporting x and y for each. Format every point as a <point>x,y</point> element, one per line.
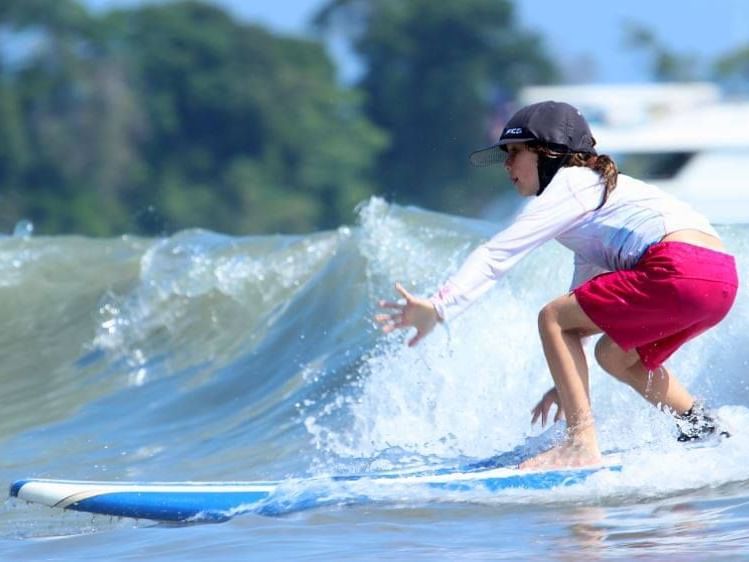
<point>219,501</point>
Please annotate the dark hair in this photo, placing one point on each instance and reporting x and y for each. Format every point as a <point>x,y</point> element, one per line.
<point>601,163</point>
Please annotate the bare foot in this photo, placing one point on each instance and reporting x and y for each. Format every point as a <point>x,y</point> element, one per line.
<point>567,455</point>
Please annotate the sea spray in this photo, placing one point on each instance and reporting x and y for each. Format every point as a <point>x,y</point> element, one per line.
<point>470,392</point>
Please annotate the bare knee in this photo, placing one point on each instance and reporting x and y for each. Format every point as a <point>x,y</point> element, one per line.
<point>547,318</point>
<point>603,354</point>
<point>564,314</point>
<point>549,321</point>
<point>613,359</point>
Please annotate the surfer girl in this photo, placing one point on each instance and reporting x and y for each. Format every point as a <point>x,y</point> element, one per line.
<point>650,273</point>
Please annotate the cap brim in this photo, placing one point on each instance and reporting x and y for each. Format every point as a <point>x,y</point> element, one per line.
<point>494,154</point>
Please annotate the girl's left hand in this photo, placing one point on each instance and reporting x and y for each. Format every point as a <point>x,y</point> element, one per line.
<point>549,399</point>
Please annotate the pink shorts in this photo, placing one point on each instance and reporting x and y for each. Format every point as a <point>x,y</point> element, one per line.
<point>674,293</point>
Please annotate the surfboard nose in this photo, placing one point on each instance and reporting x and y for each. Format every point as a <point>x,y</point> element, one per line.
<point>15,487</point>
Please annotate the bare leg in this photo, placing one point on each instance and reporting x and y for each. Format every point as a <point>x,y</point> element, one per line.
<point>562,325</point>
<point>660,387</point>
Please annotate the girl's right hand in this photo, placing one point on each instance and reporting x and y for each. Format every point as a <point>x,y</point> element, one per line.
<point>549,399</point>
<point>413,313</point>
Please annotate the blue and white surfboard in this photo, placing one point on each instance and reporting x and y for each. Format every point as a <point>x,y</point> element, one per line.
<point>218,501</point>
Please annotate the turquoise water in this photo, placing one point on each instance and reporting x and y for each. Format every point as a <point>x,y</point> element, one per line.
<point>208,357</point>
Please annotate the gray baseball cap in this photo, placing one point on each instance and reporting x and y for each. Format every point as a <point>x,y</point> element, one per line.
<point>555,124</point>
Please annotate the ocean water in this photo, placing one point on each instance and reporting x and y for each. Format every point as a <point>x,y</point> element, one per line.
<point>208,357</point>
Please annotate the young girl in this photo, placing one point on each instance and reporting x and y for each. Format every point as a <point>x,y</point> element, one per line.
<point>650,274</point>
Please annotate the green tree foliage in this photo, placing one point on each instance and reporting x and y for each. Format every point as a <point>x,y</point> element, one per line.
<point>434,75</point>
<point>172,116</point>
<point>55,112</point>
<point>665,64</point>
<point>733,68</point>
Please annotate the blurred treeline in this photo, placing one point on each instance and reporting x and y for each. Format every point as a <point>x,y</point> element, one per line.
<point>172,115</point>
<point>165,116</point>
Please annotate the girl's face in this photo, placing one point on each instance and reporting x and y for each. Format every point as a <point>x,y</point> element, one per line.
<point>522,166</point>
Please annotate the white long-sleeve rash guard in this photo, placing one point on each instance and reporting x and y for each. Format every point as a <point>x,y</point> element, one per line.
<point>611,238</point>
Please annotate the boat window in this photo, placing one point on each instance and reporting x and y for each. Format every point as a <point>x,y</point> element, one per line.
<point>652,165</point>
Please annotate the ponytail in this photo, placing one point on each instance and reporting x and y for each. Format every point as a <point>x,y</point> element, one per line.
<point>606,168</point>
<point>603,164</point>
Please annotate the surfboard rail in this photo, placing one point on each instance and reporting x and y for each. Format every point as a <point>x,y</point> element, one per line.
<point>218,501</point>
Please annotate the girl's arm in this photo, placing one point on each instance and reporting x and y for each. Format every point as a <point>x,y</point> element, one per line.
<point>543,219</point>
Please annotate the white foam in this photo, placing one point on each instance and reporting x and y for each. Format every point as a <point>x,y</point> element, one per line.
<point>470,392</point>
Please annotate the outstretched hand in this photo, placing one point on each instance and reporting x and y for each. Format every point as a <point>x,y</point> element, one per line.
<point>415,312</point>
<point>542,409</point>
